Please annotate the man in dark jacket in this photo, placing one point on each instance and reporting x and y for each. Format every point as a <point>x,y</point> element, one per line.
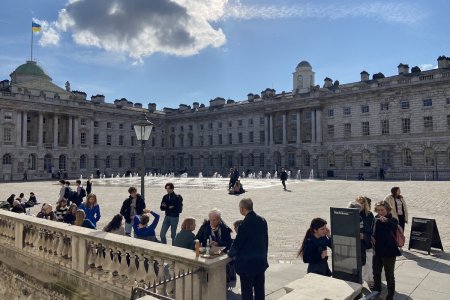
<point>250,251</point>
<point>132,206</point>
<point>172,204</point>
<point>283,178</point>
<point>216,230</point>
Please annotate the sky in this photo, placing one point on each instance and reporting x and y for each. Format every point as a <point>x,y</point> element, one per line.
<point>173,52</point>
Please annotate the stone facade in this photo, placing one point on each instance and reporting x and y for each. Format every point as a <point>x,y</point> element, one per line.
<point>399,123</point>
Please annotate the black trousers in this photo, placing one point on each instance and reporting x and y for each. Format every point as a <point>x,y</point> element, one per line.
<point>401,221</point>
<point>388,263</point>
<point>283,182</point>
<point>252,284</point>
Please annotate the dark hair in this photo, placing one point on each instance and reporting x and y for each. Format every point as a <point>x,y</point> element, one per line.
<point>170,185</point>
<point>21,195</point>
<point>68,182</point>
<point>31,193</point>
<point>394,191</point>
<point>115,223</point>
<point>316,223</point>
<point>78,181</point>
<point>132,189</point>
<point>145,219</point>
<point>62,181</point>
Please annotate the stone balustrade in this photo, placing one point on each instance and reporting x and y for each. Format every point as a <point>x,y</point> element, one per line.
<point>92,258</point>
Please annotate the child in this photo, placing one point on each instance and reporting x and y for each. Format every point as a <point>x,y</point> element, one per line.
<point>61,210</point>
<point>144,232</point>
<point>314,247</point>
<point>91,208</point>
<point>115,225</point>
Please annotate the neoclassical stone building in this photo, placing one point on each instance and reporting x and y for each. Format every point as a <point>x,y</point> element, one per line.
<point>399,123</point>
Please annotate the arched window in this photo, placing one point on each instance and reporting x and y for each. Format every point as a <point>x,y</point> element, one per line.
<point>331,159</point>
<point>121,161</point>
<point>7,159</point>
<point>172,161</point>
<point>83,162</point>
<point>366,158</point>
<point>48,163</point>
<point>241,160</point>
<point>348,159</point>
<point>429,156</point>
<point>108,162</point>
<point>62,162</point>
<point>133,161</point>
<point>407,157</point>
<point>261,160</point>
<point>96,162</point>
<point>277,158</point>
<point>251,160</point>
<point>220,159</point>
<point>191,160</point>
<point>32,162</point>
<point>306,159</point>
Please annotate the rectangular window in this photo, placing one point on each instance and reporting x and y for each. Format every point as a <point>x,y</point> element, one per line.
<point>172,129</point>
<point>109,125</point>
<point>240,122</point>
<point>83,122</point>
<point>181,128</point>
<point>250,137</point>
<point>83,138</point>
<point>404,104</point>
<point>210,125</point>
<point>133,140</point>
<point>347,111</point>
<point>7,115</point>
<point>261,136</point>
<point>120,140</point>
<point>219,125</point>
<point>108,140</point>
<point>261,120</point>
<point>384,106</point>
<point>240,139</point>
<point>427,102</point>
<point>210,139</point>
<point>364,109</point>
<point>347,129</point>
<point>95,123</point>
<point>96,139</point>
<point>448,122</point>
<point>190,127</point>
<point>331,130</point>
<point>7,134</point>
<point>406,125</point>
<point>448,100</point>
<point>365,128</point>
<point>220,139</point>
<point>202,126</point>
<point>384,127</point>
<point>28,119</point>
<point>120,126</point>
<point>331,113</point>
<point>230,124</point>
<point>428,123</point>
<point>28,136</point>
<point>230,138</point>
<point>153,142</point>
<point>250,121</point>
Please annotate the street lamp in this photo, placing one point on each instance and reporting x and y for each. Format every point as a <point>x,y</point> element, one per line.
<point>143,129</point>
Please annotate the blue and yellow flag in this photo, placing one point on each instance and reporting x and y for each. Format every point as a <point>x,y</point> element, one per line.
<point>35,27</point>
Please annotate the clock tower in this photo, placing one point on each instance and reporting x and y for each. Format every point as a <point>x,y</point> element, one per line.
<point>303,77</point>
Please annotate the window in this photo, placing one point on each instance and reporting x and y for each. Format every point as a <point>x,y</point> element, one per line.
<point>96,139</point>
<point>365,108</point>
<point>347,129</point>
<point>250,121</point>
<point>62,162</point>
<point>331,159</point>
<point>427,102</point>
<point>448,100</point>
<point>219,125</point>
<point>172,141</point>
<point>261,120</point>
<point>109,125</point>
<point>83,162</point>
<point>210,125</point>
<point>404,104</point>
<point>306,159</point>
<point>133,140</point>
<point>210,139</point>
<point>202,126</point>
<point>261,136</point>
<point>7,134</point>
<point>230,138</point>
<point>407,157</point>
<point>181,128</point>
<point>133,161</point>
<point>108,162</point>
<point>162,142</point>
<point>406,125</point>
<point>83,122</point>
<point>291,159</point>
<point>172,129</point>
<point>348,159</point>
<point>365,128</point>
<point>384,127</point>
<point>28,119</point>
<point>250,137</point>
<point>448,122</point>
<point>261,160</point>
<point>32,162</point>
<point>240,122</point>
<point>7,159</point>
<point>120,126</point>
<point>220,139</point>
<point>202,142</point>
<point>429,157</point>
<point>120,161</point>
<point>230,124</point>
<point>428,123</point>
<point>28,136</point>
<point>190,127</point>
<point>108,140</point>
<point>384,106</point>
<point>331,112</point>
<point>191,140</point>
<point>8,115</point>
<point>240,139</point>
<point>347,111</point>
<point>366,158</point>
<point>120,140</point>
<point>95,123</point>
<point>83,138</point>
<point>96,162</point>
<point>331,130</point>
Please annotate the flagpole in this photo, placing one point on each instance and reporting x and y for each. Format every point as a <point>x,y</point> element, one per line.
<point>32,43</point>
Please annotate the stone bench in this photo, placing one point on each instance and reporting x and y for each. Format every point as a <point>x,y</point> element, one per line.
<point>317,287</point>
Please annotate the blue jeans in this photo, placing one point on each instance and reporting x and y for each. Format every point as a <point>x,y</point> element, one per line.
<point>171,222</point>
<point>128,227</point>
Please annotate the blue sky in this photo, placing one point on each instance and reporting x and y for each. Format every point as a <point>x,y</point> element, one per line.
<point>182,51</point>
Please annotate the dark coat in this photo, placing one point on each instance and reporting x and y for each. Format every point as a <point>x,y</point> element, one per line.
<point>172,204</point>
<point>223,238</point>
<point>283,176</point>
<point>384,241</point>
<point>126,207</point>
<point>312,255</point>
<point>251,245</point>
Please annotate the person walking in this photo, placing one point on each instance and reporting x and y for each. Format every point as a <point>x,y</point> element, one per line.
<point>89,185</point>
<point>133,205</point>
<point>398,205</point>
<point>172,204</point>
<point>283,177</point>
<point>249,250</point>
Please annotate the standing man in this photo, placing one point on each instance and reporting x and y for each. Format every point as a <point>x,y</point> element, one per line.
<point>81,193</point>
<point>250,252</point>
<point>172,204</point>
<point>283,177</point>
<point>132,206</point>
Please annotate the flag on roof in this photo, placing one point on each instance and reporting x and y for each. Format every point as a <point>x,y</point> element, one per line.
<point>35,27</point>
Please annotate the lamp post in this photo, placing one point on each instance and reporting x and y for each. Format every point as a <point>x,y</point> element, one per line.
<point>143,129</point>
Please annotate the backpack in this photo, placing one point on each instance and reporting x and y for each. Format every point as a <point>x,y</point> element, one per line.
<point>73,197</point>
<point>399,237</point>
<point>82,193</point>
<point>181,202</point>
<point>67,192</point>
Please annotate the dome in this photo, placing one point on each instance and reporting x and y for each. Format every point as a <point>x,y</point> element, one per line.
<point>30,69</point>
<point>304,64</point>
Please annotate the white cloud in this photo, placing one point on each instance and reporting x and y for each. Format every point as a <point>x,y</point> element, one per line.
<point>425,67</point>
<point>50,36</point>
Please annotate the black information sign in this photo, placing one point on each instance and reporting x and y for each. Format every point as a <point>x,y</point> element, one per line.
<point>424,235</point>
<point>346,244</point>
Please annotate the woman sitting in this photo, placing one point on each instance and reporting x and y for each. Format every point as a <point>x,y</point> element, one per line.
<point>185,238</point>
<point>17,207</point>
<point>69,217</point>
<point>215,230</point>
<point>116,225</point>
<point>80,220</point>
<point>61,210</point>
<point>237,189</point>
<point>141,228</point>
<point>47,212</point>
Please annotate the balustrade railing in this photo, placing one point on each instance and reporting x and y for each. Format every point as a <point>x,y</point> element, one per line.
<point>124,263</point>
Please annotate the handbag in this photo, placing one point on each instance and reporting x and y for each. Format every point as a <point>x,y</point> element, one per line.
<point>399,237</point>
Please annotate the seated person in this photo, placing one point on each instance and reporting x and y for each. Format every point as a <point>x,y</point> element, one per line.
<point>17,207</point>
<point>185,238</point>
<point>115,225</point>
<point>61,210</point>
<point>237,188</point>
<point>32,201</point>
<point>215,230</point>
<point>47,212</point>
<point>80,220</point>
<point>141,228</point>
<point>69,217</point>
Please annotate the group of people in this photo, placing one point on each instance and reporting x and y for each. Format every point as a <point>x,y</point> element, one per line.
<point>377,234</point>
<point>235,186</point>
<point>20,204</point>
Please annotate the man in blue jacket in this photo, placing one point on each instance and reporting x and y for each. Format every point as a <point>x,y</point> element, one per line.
<point>250,251</point>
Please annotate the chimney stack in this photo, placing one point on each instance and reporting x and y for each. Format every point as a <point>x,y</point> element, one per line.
<point>403,69</point>
<point>364,76</point>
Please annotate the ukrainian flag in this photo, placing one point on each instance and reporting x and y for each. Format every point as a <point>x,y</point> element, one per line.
<point>35,27</point>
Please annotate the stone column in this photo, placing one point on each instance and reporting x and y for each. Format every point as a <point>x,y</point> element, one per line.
<point>76,134</point>
<point>266,130</point>
<point>299,135</point>
<point>195,137</point>
<point>319,125</point>
<point>55,131</point>
<point>19,129</point>
<point>271,128</point>
<point>24,129</point>
<point>70,137</point>
<point>313,127</point>
<point>91,142</point>
<point>18,232</point>
<point>40,129</point>
<point>284,130</point>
